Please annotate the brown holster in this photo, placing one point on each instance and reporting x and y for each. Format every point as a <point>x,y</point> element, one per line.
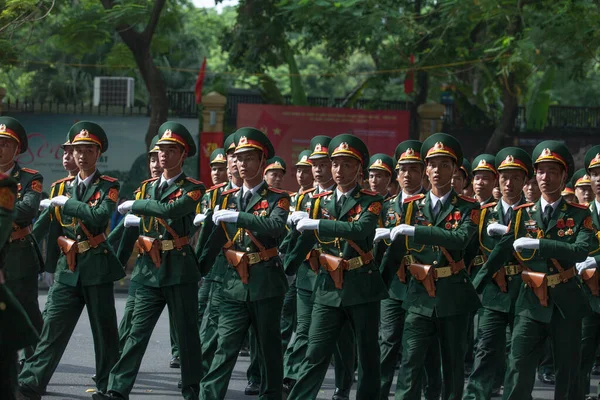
<point>241,260</point>
<point>69,249</point>
<point>537,282</point>
<point>335,266</point>
<point>401,273</point>
<point>424,274</point>
<point>590,278</point>
<point>500,279</point>
<point>151,247</point>
<point>19,233</point>
<point>313,260</point>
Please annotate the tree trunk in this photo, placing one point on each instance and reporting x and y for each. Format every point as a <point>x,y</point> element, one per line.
<point>420,98</point>
<point>509,114</point>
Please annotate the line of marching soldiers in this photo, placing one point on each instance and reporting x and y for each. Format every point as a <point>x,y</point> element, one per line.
<point>334,271</point>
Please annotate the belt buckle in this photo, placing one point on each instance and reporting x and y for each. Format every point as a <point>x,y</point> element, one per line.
<point>355,263</point>
<point>553,280</point>
<point>409,259</point>
<point>254,258</point>
<point>478,260</point>
<point>167,245</point>
<point>443,272</point>
<point>82,247</point>
<point>511,269</point>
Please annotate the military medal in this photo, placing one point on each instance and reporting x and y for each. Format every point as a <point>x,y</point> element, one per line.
<point>560,224</point>
<point>561,233</point>
<point>448,222</point>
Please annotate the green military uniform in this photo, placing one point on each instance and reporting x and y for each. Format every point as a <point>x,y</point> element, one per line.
<point>556,237</point>
<point>260,215</point>
<point>590,332</point>
<point>392,310</point>
<point>306,279</point>
<point>439,318</point>
<point>346,226</point>
<point>498,302</point>
<point>16,330</point>
<point>23,260</point>
<point>83,217</point>
<point>168,277</point>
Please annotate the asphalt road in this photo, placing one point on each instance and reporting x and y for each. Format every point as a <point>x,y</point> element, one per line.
<point>156,380</point>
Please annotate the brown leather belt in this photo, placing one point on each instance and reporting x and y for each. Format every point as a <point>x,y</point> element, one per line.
<point>85,245</point>
<point>166,245</point>
<point>357,262</point>
<point>20,234</point>
<point>513,269</point>
<point>445,272</point>
<point>561,277</point>
<point>255,258</point>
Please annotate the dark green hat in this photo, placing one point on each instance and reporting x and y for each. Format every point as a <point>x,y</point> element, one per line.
<point>175,133</point>
<point>592,158</point>
<point>247,139</point>
<point>514,158</point>
<point>350,146</point>
<point>408,151</point>
<point>442,144</point>
<point>580,178</point>
<point>12,129</point>
<point>153,145</point>
<point>484,162</point>
<point>218,157</point>
<point>304,159</point>
<point>87,132</point>
<point>465,168</point>
<point>229,144</point>
<point>568,190</point>
<point>275,163</point>
<point>67,143</point>
<point>319,146</point>
<point>382,162</point>
<point>554,151</point>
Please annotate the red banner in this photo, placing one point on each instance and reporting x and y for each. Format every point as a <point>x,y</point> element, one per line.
<point>209,142</point>
<point>290,128</point>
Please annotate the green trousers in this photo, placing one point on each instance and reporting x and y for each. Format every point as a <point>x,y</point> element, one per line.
<point>182,301</point>
<point>490,358</point>
<point>421,333</point>
<point>343,354</point>
<point>390,344</point>
<point>288,316</point>
<point>26,291</point>
<point>590,340</point>
<point>8,373</point>
<point>325,328</point>
<point>64,310</point>
<point>235,318</point>
<point>209,334</point>
<point>528,340</point>
<point>253,373</point>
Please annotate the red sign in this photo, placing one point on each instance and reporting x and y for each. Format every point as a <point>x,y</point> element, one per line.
<point>209,142</point>
<point>290,128</point>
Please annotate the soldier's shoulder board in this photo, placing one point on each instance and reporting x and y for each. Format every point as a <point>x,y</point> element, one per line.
<point>413,198</point>
<point>308,190</point>
<point>368,192</point>
<point>391,199</point>
<point>467,198</point>
<point>149,180</point>
<point>279,191</point>
<point>30,171</point>
<point>489,205</point>
<point>194,181</point>
<point>66,179</point>
<point>582,206</point>
<point>220,185</point>
<point>523,206</point>
<point>108,178</point>
<point>323,194</point>
<point>230,191</point>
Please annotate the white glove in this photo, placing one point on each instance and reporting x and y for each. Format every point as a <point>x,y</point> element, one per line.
<point>402,229</point>
<point>131,220</point>
<point>589,263</point>
<point>45,204</point>
<point>307,224</point>
<point>298,215</point>
<point>496,229</point>
<point>58,201</point>
<point>198,219</point>
<point>225,216</point>
<point>125,207</point>
<point>288,221</point>
<point>526,243</point>
<point>381,234</point>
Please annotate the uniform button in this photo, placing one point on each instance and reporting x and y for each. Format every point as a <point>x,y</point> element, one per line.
<point>160,236</point>
<point>105,251</point>
<point>341,254</point>
<point>510,278</point>
<point>551,269</point>
<point>465,281</point>
<point>183,254</point>
<point>370,272</point>
<point>247,248</point>
<point>435,263</point>
<point>78,237</point>
<point>548,236</point>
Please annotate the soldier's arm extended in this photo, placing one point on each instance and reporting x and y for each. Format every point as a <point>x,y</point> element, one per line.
<point>207,228</point>
<point>41,226</point>
<point>272,225</point>
<point>297,255</point>
<point>214,245</point>
<point>392,259</point>
<point>127,243</point>
<point>27,208</point>
<point>52,250</point>
<point>97,215</point>
<point>502,252</point>
<point>574,252</point>
<point>8,194</point>
<point>454,240</point>
<point>355,230</point>
<point>184,205</point>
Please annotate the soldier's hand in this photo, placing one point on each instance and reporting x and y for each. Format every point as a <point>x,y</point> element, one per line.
<point>402,229</point>
<point>526,243</point>
<point>131,220</point>
<point>496,229</point>
<point>125,207</point>
<point>381,234</point>
<point>298,215</point>
<point>308,224</point>
<point>59,201</point>
<point>45,204</point>
<point>199,219</point>
<point>589,263</point>
<point>225,216</point>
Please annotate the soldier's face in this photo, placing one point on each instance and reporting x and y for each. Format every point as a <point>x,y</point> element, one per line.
<point>379,181</point>
<point>86,156</point>
<point>218,173</point>
<point>410,177</point>
<point>440,171</point>
<point>232,165</point>
<point>8,150</point>
<point>532,190</point>
<point>274,178</point>
<point>304,176</point>
<point>483,184</point>
<point>250,164</point>
<point>512,183</point>
<point>550,177</point>
<point>458,181</point>
<point>170,156</point>
<point>345,170</point>
<point>584,194</point>
<point>321,170</point>
<point>68,160</point>
<point>595,179</point>
<point>154,166</point>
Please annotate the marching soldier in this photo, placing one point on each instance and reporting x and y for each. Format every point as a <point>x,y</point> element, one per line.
<point>168,271</point>
<point>349,286</point>
<point>499,296</point>
<point>485,177</point>
<point>381,174</point>
<point>306,279</point>
<point>549,237</point>
<point>23,260</point>
<point>84,264</point>
<point>462,177</point>
<point>435,231</point>
<point>583,187</point>
<point>275,172</point>
<point>568,193</point>
<point>248,228</point>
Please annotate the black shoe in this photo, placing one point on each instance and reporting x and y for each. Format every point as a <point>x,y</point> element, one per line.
<point>340,394</point>
<point>252,389</point>
<point>25,393</point>
<point>496,392</point>
<point>107,396</point>
<point>94,378</point>
<point>174,363</point>
<point>180,384</point>
<point>244,352</point>
<point>288,385</point>
<point>590,397</point>
<point>548,379</point>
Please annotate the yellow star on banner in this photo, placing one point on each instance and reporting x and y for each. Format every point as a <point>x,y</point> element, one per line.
<point>264,129</point>
<point>277,131</point>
